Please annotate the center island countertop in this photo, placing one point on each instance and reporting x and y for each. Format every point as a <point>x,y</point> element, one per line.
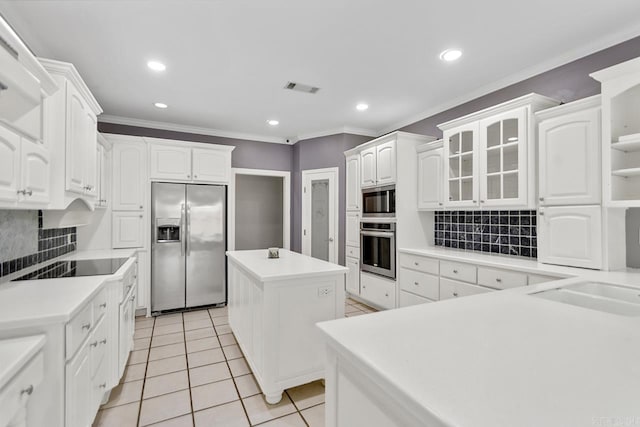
<point>290,265</point>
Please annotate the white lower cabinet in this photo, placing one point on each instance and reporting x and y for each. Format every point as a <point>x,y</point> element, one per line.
<point>78,389</point>
<point>571,236</point>
<point>128,230</point>
<point>421,284</point>
<point>454,289</point>
<point>353,276</point>
<point>406,299</point>
<point>378,290</point>
<point>352,229</point>
<point>500,279</point>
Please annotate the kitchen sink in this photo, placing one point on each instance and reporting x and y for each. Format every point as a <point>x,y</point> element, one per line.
<point>597,296</point>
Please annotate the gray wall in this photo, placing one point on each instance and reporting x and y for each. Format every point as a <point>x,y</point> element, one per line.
<point>318,153</point>
<point>259,202</point>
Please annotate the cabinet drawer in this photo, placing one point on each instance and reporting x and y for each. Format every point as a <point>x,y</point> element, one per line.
<point>352,252</point>
<point>458,271</point>
<point>128,282</point>
<point>14,394</point>
<point>98,345</point>
<point>534,279</point>
<point>454,289</point>
<point>407,299</point>
<point>78,329</point>
<point>414,262</point>
<point>100,305</point>
<point>378,291</point>
<point>423,284</point>
<point>99,386</point>
<point>501,279</point>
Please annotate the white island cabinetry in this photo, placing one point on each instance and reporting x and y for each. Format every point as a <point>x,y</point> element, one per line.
<point>274,305</point>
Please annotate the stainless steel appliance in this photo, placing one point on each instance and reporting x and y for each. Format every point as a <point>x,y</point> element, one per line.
<point>188,244</point>
<point>76,268</point>
<point>379,202</point>
<point>378,248</point>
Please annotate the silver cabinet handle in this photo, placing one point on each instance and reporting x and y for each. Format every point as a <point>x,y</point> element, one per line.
<point>541,213</point>
<point>86,326</point>
<point>416,263</point>
<point>28,192</point>
<point>474,201</point>
<point>542,199</point>
<point>455,294</point>
<point>481,201</point>
<point>195,176</point>
<point>27,390</point>
<point>133,298</point>
<point>141,207</point>
<point>188,176</point>
<point>416,283</point>
<point>499,280</point>
<point>439,203</point>
<point>386,294</point>
<point>455,271</point>
<point>103,305</point>
<point>94,344</point>
<point>141,216</point>
<point>104,341</point>
<point>103,385</point>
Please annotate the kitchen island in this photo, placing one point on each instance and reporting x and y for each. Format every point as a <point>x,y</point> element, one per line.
<point>510,358</point>
<point>274,305</point>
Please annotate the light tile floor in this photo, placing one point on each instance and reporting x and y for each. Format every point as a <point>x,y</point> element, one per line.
<point>186,369</point>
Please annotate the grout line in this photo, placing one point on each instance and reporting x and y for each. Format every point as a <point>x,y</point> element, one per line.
<point>184,337</point>
<point>144,379</point>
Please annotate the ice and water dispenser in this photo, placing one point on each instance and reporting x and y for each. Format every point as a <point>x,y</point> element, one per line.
<point>167,230</point>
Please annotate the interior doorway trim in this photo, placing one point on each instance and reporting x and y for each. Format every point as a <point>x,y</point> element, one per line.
<point>333,174</point>
<point>286,202</point>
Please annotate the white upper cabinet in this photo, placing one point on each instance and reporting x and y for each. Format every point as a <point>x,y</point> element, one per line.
<point>9,165</point>
<point>128,230</point>
<point>103,173</point>
<point>570,235</point>
<point>182,161</point>
<point>489,156</point>
<point>386,163</point>
<point>129,175</point>
<point>368,167</point>
<point>36,170</point>
<point>430,176</point>
<point>570,154</point>
<point>76,133</point>
<point>353,183</point>
<point>503,150</point>
<point>461,165</point>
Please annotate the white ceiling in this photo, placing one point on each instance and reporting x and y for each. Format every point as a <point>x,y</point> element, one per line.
<point>227,61</point>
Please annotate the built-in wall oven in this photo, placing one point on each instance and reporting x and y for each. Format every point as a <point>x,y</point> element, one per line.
<point>378,248</point>
<point>379,202</point>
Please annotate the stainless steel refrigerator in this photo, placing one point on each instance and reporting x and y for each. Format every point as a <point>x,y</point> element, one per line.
<point>188,261</point>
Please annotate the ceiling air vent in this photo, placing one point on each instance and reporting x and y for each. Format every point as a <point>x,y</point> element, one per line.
<point>299,87</point>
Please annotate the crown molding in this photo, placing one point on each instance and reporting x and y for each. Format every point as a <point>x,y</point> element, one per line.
<point>118,120</point>
<point>573,55</point>
<point>336,131</point>
<point>69,72</point>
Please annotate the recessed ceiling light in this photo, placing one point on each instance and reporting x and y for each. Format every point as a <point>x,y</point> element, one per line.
<point>273,122</point>
<point>362,107</point>
<point>450,55</point>
<point>156,66</point>
<point>160,105</point>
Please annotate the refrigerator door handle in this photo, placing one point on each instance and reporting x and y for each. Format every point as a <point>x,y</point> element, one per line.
<point>182,224</point>
<point>188,230</point>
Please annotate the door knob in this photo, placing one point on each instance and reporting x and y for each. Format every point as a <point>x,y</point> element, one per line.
<point>331,239</point>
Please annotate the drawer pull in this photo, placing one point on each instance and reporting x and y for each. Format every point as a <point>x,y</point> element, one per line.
<point>86,326</point>
<point>94,344</point>
<point>499,280</point>
<point>27,390</point>
<point>455,294</point>
<point>416,283</point>
<point>103,305</point>
<point>104,341</point>
<point>386,294</point>
<point>133,298</point>
<point>455,271</point>
<point>103,385</point>
<point>416,264</point>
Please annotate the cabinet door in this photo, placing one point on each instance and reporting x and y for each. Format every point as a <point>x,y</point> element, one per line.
<point>211,165</point>
<point>368,167</point>
<point>99,166</point>
<point>169,162</point>
<point>78,390</point>
<point>105,177</point>
<point>461,166</point>
<point>352,229</point>
<point>36,170</point>
<point>503,159</point>
<point>430,179</point>
<point>129,176</point>
<point>569,156</point>
<point>90,166</point>
<point>386,163</point>
<point>353,276</point>
<point>571,236</point>
<point>76,132</point>
<point>141,301</point>
<point>128,230</point>
<point>9,165</point>
<point>126,320</point>
<point>353,183</point>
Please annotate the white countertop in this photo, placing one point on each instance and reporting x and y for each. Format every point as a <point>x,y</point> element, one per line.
<point>500,359</point>
<point>290,265</point>
<point>629,276</point>
<point>32,302</point>
<point>15,353</point>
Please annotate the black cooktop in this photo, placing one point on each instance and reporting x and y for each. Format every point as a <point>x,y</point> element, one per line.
<point>82,267</point>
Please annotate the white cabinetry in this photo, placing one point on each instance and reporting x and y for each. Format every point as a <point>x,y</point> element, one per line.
<point>378,164</point>
<point>571,236</point>
<point>129,175</point>
<point>368,167</point>
<point>353,276</point>
<point>36,173</point>
<point>353,195</point>
<point>128,230</point>
<point>430,175</point>
<point>181,161</point>
<point>352,229</point>
<point>378,290</point>
<point>570,154</point>
<point>103,179</point>
<point>9,165</point>
<point>489,156</point>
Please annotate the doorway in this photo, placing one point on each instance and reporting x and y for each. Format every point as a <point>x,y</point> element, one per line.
<point>320,214</point>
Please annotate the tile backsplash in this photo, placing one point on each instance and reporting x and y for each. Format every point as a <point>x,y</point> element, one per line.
<point>44,244</point>
<point>500,232</point>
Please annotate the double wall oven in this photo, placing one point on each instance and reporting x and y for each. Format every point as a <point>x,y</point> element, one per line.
<point>378,248</point>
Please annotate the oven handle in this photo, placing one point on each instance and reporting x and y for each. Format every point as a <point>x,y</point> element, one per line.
<point>387,234</point>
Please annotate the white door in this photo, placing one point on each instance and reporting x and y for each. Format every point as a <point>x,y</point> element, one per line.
<point>352,229</point>
<point>368,167</point>
<point>76,154</point>
<point>9,165</point>
<point>571,236</point>
<point>386,163</point>
<point>569,165</point>
<point>36,169</point>
<point>503,159</point>
<point>128,230</point>
<point>211,166</point>
<point>129,176</point>
<point>353,194</point>
<point>168,162</point>
<point>460,172</point>
<point>353,276</point>
<point>320,214</point>
<point>430,179</point>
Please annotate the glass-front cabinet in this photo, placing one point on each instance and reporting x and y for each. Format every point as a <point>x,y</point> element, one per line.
<point>503,159</point>
<point>461,165</point>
